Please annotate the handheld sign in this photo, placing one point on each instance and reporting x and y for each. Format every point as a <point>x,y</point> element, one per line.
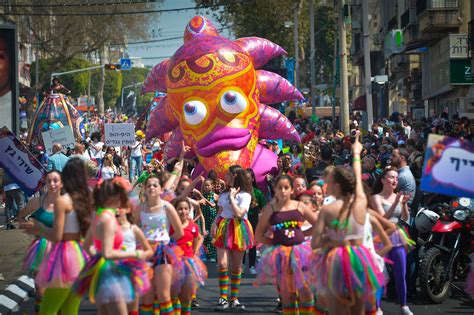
<point>19,163</point>
<point>119,134</point>
<point>63,136</point>
<point>448,166</point>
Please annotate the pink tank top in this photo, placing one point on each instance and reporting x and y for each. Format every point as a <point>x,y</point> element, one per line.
<point>118,237</point>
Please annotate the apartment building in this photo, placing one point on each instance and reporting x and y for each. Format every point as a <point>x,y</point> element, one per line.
<point>423,47</point>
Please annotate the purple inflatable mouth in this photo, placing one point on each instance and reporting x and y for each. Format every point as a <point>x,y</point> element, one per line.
<point>223,139</point>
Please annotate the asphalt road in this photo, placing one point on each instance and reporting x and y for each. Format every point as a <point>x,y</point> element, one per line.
<point>262,300</point>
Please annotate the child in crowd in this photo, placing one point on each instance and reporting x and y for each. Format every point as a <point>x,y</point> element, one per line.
<point>193,271</point>
<point>209,210</point>
<point>286,260</point>
<point>112,277</point>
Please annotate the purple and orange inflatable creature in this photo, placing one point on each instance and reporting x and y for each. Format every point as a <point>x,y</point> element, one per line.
<point>216,100</point>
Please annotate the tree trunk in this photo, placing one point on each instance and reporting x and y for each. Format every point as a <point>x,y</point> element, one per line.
<point>100,90</point>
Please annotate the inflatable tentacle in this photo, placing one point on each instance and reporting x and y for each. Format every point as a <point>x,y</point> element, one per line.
<point>275,89</point>
<point>199,25</point>
<point>173,146</point>
<point>162,120</point>
<point>274,125</point>
<point>261,50</point>
<point>156,78</point>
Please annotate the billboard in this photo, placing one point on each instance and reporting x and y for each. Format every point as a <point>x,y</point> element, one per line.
<point>8,78</point>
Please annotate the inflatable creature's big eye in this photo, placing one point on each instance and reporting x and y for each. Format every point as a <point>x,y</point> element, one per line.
<point>233,102</point>
<point>194,112</point>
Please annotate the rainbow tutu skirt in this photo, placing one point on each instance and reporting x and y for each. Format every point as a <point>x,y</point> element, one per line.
<point>37,251</point>
<point>234,234</point>
<point>347,273</point>
<point>61,266</point>
<point>286,267</point>
<point>192,270</point>
<point>107,281</point>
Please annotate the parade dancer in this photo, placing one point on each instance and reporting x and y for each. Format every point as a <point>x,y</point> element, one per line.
<point>344,271</point>
<point>209,210</point>
<point>394,206</point>
<point>60,268</point>
<point>40,209</point>
<point>133,236</point>
<point>233,235</point>
<point>112,277</point>
<point>256,206</point>
<point>194,272</point>
<point>155,216</point>
<point>286,260</point>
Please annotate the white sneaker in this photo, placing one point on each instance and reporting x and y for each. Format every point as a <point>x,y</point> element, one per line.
<point>405,310</point>
<point>379,312</point>
<point>253,271</point>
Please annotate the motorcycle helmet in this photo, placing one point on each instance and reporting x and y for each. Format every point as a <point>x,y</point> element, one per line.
<point>425,220</point>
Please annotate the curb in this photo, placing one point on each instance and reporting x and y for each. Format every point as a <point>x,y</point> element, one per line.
<point>15,294</point>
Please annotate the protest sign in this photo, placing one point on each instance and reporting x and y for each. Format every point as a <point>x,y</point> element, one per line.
<point>63,136</point>
<point>448,166</point>
<point>19,163</point>
<point>119,134</point>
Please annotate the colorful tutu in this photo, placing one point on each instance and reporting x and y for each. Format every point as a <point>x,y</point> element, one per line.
<point>35,254</point>
<point>108,281</point>
<point>167,254</point>
<point>61,266</point>
<point>287,267</point>
<point>400,238</point>
<point>193,269</point>
<point>234,234</point>
<point>347,272</point>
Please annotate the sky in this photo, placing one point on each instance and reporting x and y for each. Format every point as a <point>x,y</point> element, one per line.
<point>169,24</point>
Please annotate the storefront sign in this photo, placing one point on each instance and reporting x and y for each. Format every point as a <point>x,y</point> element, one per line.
<point>63,136</point>
<point>458,46</point>
<point>448,166</point>
<point>119,134</point>
<point>19,163</point>
<point>461,71</point>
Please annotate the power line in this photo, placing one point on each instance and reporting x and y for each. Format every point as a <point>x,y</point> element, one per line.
<point>128,12</point>
<point>53,5</point>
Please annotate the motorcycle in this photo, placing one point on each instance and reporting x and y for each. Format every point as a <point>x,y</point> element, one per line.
<point>445,253</point>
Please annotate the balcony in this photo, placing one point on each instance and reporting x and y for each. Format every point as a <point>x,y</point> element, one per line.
<point>411,34</point>
<point>439,16</point>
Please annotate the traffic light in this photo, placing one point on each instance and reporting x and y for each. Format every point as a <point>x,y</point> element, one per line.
<point>112,66</point>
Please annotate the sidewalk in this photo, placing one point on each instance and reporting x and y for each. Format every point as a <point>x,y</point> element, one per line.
<point>13,244</point>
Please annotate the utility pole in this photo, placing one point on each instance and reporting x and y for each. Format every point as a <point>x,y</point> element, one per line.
<point>311,56</point>
<point>89,94</point>
<point>344,112</point>
<point>295,33</point>
<point>367,70</point>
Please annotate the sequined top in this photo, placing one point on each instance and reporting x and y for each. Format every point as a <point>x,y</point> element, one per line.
<point>155,225</point>
<point>286,226</point>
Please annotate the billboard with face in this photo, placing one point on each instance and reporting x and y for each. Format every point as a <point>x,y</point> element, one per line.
<point>8,77</point>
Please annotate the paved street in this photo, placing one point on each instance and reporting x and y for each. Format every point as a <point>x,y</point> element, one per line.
<point>257,300</point>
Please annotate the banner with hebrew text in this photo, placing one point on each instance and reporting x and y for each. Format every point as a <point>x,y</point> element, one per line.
<point>449,166</point>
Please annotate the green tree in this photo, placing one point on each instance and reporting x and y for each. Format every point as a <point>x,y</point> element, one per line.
<point>266,19</point>
<point>61,30</point>
<point>134,76</point>
<point>77,82</point>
